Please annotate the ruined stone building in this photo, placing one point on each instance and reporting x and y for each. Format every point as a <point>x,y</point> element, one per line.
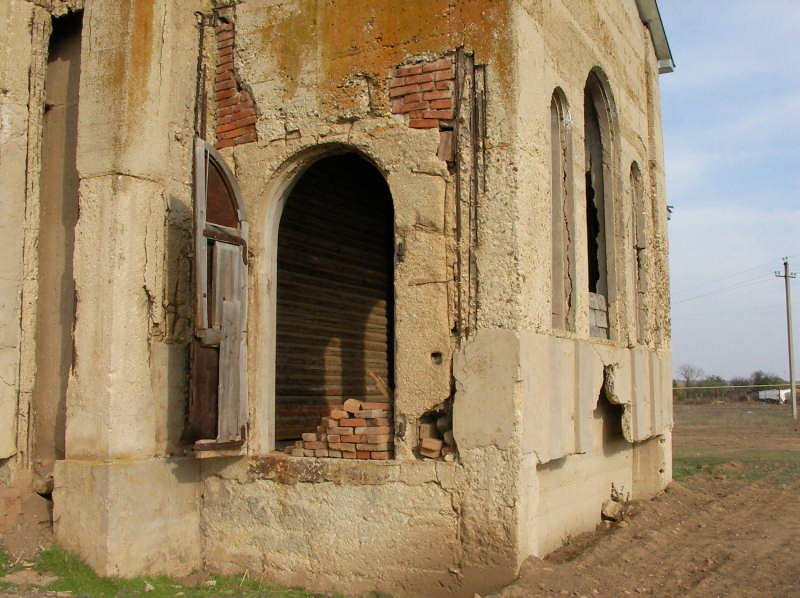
<point>352,295</point>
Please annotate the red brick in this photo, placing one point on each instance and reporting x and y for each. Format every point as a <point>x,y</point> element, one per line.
<point>429,453</point>
<point>404,71</point>
<point>363,454</point>
<point>340,430</point>
<point>380,455</point>
<point>423,123</point>
<point>238,123</point>
<point>353,438</point>
<point>334,438</point>
<point>430,86</point>
<point>315,445</point>
<point>438,65</point>
<point>431,444</point>
<point>308,452</point>
<point>232,134</point>
<point>225,111</point>
<point>378,438</point>
<point>412,98</point>
<point>224,83</point>
<point>397,82</point>
<point>444,75</point>
<point>223,143</point>
<point>341,446</point>
<point>441,94</point>
<point>420,78</point>
<point>412,107</point>
<point>446,104</point>
<point>338,414</point>
<point>444,85</point>
<point>247,137</point>
<point>440,114</point>
<point>332,453</point>
<point>297,452</point>
<point>227,43</point>
<point>373,430</point>
<point>401,91</point>
<point>229,101</point>
<point>373,446</point>
<point>321,453</point>
<point>348,455</point>
<point>225,94</point>
<point>352,422</point>
<point>244,110</point>
<point>378,421</point>
<point>397,103</point>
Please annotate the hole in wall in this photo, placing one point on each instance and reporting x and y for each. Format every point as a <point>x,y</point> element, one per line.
<point>435,433</point>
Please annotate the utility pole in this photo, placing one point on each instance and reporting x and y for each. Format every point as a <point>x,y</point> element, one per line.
<point>786,276</point>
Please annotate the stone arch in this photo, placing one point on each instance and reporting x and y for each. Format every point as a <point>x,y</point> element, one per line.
<point>292,185</point>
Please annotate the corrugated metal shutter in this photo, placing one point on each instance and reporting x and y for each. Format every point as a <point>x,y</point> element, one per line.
<point>335,292</point>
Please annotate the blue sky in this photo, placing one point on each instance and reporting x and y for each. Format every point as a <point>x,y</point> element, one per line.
<point>731,121</point>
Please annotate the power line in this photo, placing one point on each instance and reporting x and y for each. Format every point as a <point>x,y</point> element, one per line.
<point>713,281</point>
<point>733,287</point>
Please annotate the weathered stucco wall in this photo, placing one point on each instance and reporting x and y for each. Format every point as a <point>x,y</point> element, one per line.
<point>15,61</point>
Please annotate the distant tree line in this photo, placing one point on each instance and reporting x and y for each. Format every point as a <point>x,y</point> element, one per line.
<point>694,383</point>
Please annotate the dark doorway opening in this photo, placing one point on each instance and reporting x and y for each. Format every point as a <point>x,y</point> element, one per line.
<point>335,293</point>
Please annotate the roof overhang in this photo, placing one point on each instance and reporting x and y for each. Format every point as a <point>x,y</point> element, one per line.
<point>648,12</point>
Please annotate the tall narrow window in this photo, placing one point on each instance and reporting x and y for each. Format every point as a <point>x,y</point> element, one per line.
<point>562,273</point>
<point>217,413</point>
<point>640,264</point>
<point>599,204</point>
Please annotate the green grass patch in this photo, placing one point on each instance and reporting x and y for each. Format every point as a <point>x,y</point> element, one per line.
<point>77,577</point>
<point>778,467</point>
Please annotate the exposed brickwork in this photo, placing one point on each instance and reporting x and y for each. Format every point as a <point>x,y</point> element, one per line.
<point>424,91</point>
<point>236,111</point>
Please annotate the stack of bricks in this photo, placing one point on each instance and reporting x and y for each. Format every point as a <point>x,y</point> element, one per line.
<point>356,430</point>
<point>424,91</point>
<point>236,110</point>
<point>436,440</point>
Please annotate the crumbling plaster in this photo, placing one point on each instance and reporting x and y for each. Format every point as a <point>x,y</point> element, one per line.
<point>15,61</point>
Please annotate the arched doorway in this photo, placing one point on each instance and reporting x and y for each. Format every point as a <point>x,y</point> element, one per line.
<point>335,293</point>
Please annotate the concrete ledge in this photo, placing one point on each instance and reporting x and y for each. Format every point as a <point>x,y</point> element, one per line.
<point>130,517</point>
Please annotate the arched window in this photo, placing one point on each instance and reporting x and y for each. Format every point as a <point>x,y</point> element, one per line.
<point>217,413</point>
<point>563,258</point>
<point>599,155</point>
<point>640,243</point>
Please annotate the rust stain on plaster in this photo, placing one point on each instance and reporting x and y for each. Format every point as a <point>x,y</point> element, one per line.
<point>363,43</point>
<point>140,54</point>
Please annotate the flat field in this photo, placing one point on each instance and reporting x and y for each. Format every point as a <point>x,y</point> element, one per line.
<point>729,525</point>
